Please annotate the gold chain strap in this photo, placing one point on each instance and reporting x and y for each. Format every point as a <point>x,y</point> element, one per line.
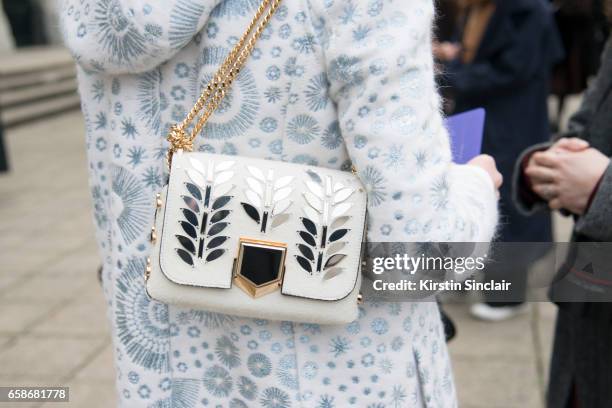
<point>220,83</point>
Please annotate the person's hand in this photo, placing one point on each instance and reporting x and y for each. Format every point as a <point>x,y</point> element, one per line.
<point>566,179</point>
<point>570,144</point>
<point>487,163</point>
<point>446,51</point>
<point>543,176</point>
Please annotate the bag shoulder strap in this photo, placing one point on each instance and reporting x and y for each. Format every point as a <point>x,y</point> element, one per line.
<point>217,87</point>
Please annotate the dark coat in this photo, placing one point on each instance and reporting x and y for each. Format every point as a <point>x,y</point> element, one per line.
<point>582,355</point>
<point>509,77</point>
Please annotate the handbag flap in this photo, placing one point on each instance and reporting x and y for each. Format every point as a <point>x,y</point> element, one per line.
<point>215,203</point>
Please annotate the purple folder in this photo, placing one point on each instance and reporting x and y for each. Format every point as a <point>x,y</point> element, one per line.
<point>466,132</point>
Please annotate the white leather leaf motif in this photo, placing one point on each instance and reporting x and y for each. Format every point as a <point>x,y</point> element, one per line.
<point>255,186</point>
<point>341,209</point>
<point>342,195</point>
<point>280,220</point>
<point>316,189</point>
<point>253,198</point>
<point>332,273</point>
<point>196,164</point>
<point>282,194</point>
<point>312,214</point>
<point>338,222</point>
<point>223,177</point>
<point>222,190</point>
<point>313,201</point>
<point>283,182</point>
<point>335,247</point>
<point>280,207</point>
<point>258,174</point>
<point>197,178</point>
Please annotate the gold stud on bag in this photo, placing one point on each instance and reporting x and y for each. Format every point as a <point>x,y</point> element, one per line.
<point>253,237</point>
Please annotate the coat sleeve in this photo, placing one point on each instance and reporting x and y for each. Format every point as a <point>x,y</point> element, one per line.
<point>520,54</point>
<point>596,223</point>
<point>380,68</point>
<point>129,36</point>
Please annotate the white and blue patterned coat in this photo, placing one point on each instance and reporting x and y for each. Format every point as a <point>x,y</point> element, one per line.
<point>330,82</point>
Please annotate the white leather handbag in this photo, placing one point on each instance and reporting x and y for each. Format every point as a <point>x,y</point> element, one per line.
<point>253,237</point>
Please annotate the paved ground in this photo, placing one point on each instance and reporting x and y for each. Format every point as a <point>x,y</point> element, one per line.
<point>53,329</point>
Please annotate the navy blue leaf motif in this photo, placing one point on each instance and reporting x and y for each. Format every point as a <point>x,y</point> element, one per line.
<point>309,239</point>
<point>306,251</point>
<point>338,234</point>
<point>221,202</point>
<point>217,228</point>
<point>191,204</point>
<point>310,226</point>
<point>214,255</point>
<point>215,242</point>
<point>189,229</point>
<point>186,243</point>
<point>185,256</point>
<point>219,216</point>
<point>251,212</point>
<point>194,190</point>
<point>190,216</point>
<point>304,263</point>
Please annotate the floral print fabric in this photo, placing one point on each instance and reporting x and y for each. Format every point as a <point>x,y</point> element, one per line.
<point>330,83</point>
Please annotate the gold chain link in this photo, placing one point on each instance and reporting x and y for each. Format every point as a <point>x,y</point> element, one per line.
<point>218,86</point>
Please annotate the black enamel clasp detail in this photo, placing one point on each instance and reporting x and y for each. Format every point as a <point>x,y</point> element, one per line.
<point>260,266</point>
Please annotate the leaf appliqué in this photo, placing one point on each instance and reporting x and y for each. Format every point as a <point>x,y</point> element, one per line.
<point>189,229</point>
<point>304,263</point>
<point>280,220</point>
<point>306,251</point>
<point>338,234</point>
<point>310,226</point>
<point>283,182</point>
<point>194,191</point>
<point>190,217</point>
<point>214,255</point>
<point>185,256</point>
<point>186,243</point>
<point>334,260</point>
<point>217,228</point>
<point>309,239</point>
<point>343,195</point>
<point>196,177</point>
<point>332,273</point>
<point>215,242</point>
<point>191,204</point>
<point>341,209</point>
<point>338,222</point>
<point>219,216</point>
<point>251,211</point>
<point>221,202</point>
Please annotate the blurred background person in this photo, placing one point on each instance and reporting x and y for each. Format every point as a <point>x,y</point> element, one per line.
<point>575,174</point>
<point>503,63</point>
<point>583,28</point>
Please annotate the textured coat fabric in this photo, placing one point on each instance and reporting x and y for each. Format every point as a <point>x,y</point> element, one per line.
<point>582,356</point>
<point>509,77</point>
<point>329,83</point>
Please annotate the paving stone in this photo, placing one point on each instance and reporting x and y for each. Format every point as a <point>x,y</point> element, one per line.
<point>85,316</point>
<point>101,368</point>
<point>501,382</point>
<point>509,338</point>
<point>16,316</point>
<point>46,357</point>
